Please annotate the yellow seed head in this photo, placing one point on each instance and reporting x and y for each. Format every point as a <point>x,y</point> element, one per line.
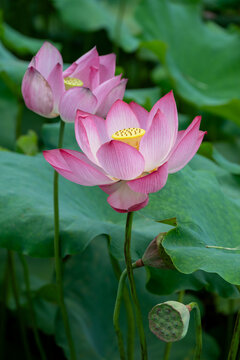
<point>72,82</point>
<point>131,136</point>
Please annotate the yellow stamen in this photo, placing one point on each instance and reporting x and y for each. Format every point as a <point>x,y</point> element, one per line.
<point>72,82</point>
<point>130,136</point>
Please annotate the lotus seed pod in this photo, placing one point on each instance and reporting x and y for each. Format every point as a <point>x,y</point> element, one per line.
<point>156,256</point>
<point>169,320</point>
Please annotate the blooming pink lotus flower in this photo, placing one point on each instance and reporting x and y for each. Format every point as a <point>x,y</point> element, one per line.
<point>131,153</point>
<point>88,84</point>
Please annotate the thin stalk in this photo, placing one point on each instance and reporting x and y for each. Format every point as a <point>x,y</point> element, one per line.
<point>30,306</point>
<point>128,260</point>
<point>168,346</point>
<point>181,296</point>
<point>167,351</point>
<point>12,273</point>
<point>57,256</point>
<point>128,307</point>
<point>234,347</point>
<point>3,311</point>
<point>198,349</point>
<point>116,313</point>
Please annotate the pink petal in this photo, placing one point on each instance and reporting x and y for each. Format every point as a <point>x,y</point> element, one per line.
<point>93,77</point>
<point>76,167</point>
<point>91,55</point>
<point>74,99</point>
<point>47,58</point>
<point>55,80</point>
<point>107,67</point>
<point>187,145</point>
<point>99,122</point>
<point>109,189</point>
<point>167,106</point>
<point>152,182</point>
<point>37,93</point>
<point>141,114</point>
<point>114,94</point>
<point>155,145</point>
<point>120,160</point>
<point>90,134</point>
<point>120,117</point>
<point>81,69</point>
<point>125,200</point>
<point>104,88</point>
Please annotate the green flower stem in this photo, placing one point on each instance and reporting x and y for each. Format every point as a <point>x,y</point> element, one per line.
<point>57,256</point>
<point>168,346</point>
<point>116,313</point>
<point>198,349</point>
<point>12,273</point>
<point>130,324</point>
<point>234,347</point>
<point>30,306</point>
<point>128,260</point>
<point>128,307</point>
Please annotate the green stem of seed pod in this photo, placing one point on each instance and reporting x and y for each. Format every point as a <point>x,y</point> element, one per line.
<point>128,306</point>
<point>116,313</point>
<point>168,346</point>
<point>198,349</point>
<point>12,273</point>
<point>57,256</point>
<point>234,347</point>
<point>128,261</point>
<point>167,351</point>
<point>30,306</point>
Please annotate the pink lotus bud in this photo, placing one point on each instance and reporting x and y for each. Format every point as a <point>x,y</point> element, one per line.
<point>89,84</point>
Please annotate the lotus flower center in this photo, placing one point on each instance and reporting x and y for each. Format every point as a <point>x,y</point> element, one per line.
<point>130,136</point>
<point>72,82</point>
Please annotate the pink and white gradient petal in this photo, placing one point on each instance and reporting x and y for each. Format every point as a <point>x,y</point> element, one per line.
<point>119,117</point>
<point>155,144</point>
<point>104,88</point>
<point>76,167</point>
<point>116,93</point>
<point>87,67</point>
<point>125,200</point>
<point>56,83</point>
<point>74,99</point>
<point>89,135</point>
<point>141,114</point>
<point>187,145</point>
<point>167,106</point>
<point>152,182</point>
<point>93,77</point>
<point>99,122</point>
<point>90,58</point>
<point>37,93</point>
<point>107,66</point>
<point>46,59</point>
<point>120,160</point>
